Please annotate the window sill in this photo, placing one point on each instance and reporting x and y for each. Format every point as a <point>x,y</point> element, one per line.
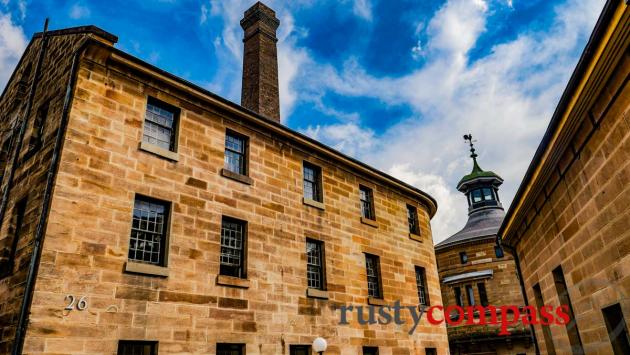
<point>146,269</point>
<point>315,293</point>
<point>415,237</point>
<point>164,153</point>
<point>313,203</point>
<point>232,281</point>
<point>236,176</point>
<point>376,301</point>
<point>369,222</point>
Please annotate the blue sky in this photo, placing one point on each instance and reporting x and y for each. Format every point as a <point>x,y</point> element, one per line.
<point>393,83</point>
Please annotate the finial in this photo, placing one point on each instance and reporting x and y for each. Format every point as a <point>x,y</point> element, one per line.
<point>469,138</point>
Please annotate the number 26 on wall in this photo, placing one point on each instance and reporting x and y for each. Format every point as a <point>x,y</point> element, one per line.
<point>80,305</point>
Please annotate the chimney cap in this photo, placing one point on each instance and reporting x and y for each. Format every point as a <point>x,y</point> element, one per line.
<point>260,12</point>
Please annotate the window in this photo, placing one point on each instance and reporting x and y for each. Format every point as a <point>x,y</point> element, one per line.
<point>551,350</point>
<point>230,349</point>
<point>483,196</point>
<point>160,124</point>
<point>233,243</point>
<point>430,351</point>
<point>312,182</point>
<point>315,264</point>
<point>373,276</point>
<point>617,330</point>
<point>483,296</point>
<point>463,257</point>
<point>412,217</point>
<point>458,297</point>
<point>236,153</point>
<point>498,251</point>
<point>133,347</point>
<point>421,284</point>
<point>4,156</point>
<point>370,350</point>
<point>470,294</point>
<point>563,296</point>
<point>7,257</point>
<point>300,350</point>
<point>37,135</point>
<point>367,202</point>
<point>149,231</point>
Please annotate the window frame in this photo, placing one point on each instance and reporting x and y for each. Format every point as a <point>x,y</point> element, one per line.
<point>369,193</point>
<point>463,257</point>
<point>242,274</point>
<point>317,191</point>
<point>166,230</point>
<point>470,295</point>
<point>413,219</point>
<point>153,344</point>
<point>369,350</point>
<point>294,348</point>
<point>244,169</point>
<point>174,130</point>
<point>459,299</point>
<point>376,278</point>
<point>39,124</point>
<point>483,294</point>
<point>17,229</point>
<point>241,348</point>
<point>322,266</point>
<point>421,286</point>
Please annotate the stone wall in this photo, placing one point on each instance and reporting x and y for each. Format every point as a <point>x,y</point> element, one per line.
<point>87,240</point>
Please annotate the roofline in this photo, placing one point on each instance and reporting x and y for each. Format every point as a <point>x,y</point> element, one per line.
<point>138,64</point>
<point>558,117</point>
<point>445,246</point>
<point>80,29</point>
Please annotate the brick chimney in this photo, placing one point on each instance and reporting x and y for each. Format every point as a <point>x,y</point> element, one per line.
<point>260,91</point>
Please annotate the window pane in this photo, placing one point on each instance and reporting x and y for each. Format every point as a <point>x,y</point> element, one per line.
<point>373,279</point>
<point>365,196</point>
<point>458,297</point>
<point>483,296</point>
<point>235,153</point>
<point>463,257</point>
<point>314,265</point>
<point>421,285</point>
<point>130,347</point>
<point>370,350</point>
<point>159,126</point>
<point>412,217</point>
<point>230,349</point>
<point>487,194</point>
<point>232,240</point>
<point>476,195</point>
<point>300,350</point>
<point>312,182</point>
<point>148,232</point>
<point>471,295</point>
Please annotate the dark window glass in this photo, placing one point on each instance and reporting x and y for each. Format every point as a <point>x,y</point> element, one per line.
<point>373,275</point>
<point>483,196</point>
<point>487,194</point>
<point>370,350</point>
<point>421,284</point>
<point>230,349</point>
<point>563,296</point>
<point>367,202</point>
<point>498,251</point>
<point>471,295</point>
<point>4,156</point>
<point>476,196</point>
<point>132,347</point>
<point>148,231</point>
<point>412,217</point>
<point>312,182</point>
<point>300,350</point>
<point>463,257</point>
<point>39,124</point>
<point>617,330</point>
<point>551,350</point>
<point>430,351</point>
<point>233,247</point>
<point>315,264</point>
<point>483,296</point>
<point>458,297</point>
<point>8,252</point>
<point>159,125</point>
<point>235,153</point>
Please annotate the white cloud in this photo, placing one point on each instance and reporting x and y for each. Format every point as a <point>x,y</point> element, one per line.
<point>348,137</point>
<point>204,14</point>
<point>363,9</point>
<point>79,11</point>
<point>12,45</point>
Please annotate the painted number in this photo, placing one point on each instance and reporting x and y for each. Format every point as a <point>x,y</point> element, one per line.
<point>80,305</point>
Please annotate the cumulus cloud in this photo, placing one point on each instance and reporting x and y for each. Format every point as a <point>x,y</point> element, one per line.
<point>12,44</point>
<point>363,9</point>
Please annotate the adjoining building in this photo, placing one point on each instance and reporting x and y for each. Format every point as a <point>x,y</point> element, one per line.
<point>569,223</point>
<point>474,271</point>
<point>140,211</point>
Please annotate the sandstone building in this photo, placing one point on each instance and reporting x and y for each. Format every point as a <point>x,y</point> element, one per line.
<point>570,220</point>
<point>474,271</point>
<point>141,213</point>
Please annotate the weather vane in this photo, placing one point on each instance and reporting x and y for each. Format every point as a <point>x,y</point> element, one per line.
<point>468,138</point>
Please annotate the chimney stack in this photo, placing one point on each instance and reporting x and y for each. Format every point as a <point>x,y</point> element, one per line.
<point>260,91</point>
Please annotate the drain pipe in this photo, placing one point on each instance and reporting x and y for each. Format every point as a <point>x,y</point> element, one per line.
<point>43,218</point>
<point>521,282</point>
